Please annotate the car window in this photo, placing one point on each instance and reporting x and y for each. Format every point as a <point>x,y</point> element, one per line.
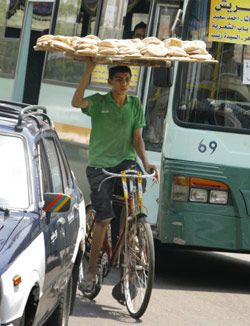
<point>43,164</point>
<point>14,190</point>
<point>66,173</point>
<point>54,162</point>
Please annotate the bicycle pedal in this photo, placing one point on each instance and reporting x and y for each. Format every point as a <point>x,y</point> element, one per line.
<point>130,218</point>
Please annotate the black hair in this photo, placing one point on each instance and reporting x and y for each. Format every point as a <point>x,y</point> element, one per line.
<point>114,70</point>
<point>140,25</point>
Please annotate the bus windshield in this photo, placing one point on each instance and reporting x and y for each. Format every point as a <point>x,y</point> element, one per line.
<point>213,96</point>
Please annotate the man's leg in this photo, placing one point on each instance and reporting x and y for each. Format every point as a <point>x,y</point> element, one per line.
<point>97,242</point>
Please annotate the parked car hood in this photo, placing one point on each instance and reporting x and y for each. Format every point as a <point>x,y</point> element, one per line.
<point>17,229</point>
<point>8,223</point>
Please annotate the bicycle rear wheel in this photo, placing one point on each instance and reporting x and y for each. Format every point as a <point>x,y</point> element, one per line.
<point>90,216</point>
<point>139,269</point>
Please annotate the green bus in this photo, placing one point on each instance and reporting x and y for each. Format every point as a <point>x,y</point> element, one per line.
<point>197,113</point>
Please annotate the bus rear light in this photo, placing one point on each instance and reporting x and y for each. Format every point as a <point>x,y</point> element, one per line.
<point>198,195</point>
<point>218,197</point>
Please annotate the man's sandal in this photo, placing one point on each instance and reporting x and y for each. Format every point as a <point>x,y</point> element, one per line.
<point>118,293</point>
<point>87,286</point>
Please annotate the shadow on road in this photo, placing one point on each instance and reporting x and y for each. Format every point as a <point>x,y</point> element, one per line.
<point>92,309</point>
<point>203,271</point>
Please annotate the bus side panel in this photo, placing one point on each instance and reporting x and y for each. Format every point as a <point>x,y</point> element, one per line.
<point>225,227</point>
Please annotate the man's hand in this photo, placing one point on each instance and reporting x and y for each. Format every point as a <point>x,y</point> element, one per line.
<point>148,168</point>
<point>90,64</point>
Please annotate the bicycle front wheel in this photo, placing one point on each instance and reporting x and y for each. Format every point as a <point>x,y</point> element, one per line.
<point>139,268</point>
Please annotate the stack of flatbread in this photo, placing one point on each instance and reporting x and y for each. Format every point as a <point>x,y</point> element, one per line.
<point>150,48</point>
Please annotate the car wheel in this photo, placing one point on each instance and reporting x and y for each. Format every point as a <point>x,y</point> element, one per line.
<point>22,323</point>
<point>60,316</point>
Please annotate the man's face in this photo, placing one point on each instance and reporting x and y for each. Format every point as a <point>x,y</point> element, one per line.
<point>139,33</point>
<point>120,83</point>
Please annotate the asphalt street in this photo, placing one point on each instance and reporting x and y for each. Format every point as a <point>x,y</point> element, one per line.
<point>190,288</point>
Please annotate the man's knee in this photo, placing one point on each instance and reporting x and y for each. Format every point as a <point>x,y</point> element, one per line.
<point>103,224</point>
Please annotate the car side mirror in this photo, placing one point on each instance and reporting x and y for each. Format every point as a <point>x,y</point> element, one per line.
<point>163,76</point>
<point>55,203</point>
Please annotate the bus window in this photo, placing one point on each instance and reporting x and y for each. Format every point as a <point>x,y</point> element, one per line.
<point>11,26</point>
<point>11,18</point>
<point>75,18</point>
<point>118,20</point>
<point>214,95</point>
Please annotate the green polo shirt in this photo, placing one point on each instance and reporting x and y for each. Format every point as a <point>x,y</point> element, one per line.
<point>112,129</point>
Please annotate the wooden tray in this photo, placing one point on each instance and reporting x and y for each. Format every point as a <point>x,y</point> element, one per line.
<point>123,60</point>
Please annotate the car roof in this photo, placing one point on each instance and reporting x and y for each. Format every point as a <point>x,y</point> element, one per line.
<point>20,116</point>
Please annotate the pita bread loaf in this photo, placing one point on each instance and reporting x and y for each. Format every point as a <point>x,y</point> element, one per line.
<point>85,40</point>
<point>123,43</point>
<point>94,37</point>
<point>82,46</point>
<point>201,56</point>
<point>175,51</point>
<point>61,38</point>
<point>178,58</point>
<point>128,50</point>
<point>137,43</point>
<point>157,50</point>
<point>172,41</point>
<point>109,43</point>
<point>200,51</point>
<point>107,51</point>
<point>44,44</point>
<point>143,50</point>
<point>87,51</point>
<point>58,45</point>
<point>40,48</point>
<point>190,46</point>
<point>134,55</point>
<point>44,38</point>
<point>151,40</point>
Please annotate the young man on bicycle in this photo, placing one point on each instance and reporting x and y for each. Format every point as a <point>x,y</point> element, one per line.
<point>116,137</point>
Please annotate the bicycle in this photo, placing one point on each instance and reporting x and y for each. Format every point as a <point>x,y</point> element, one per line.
<point>134,250</point>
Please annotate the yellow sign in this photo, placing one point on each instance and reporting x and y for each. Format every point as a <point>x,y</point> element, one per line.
<point>230,21</point>
<point>100,75</point>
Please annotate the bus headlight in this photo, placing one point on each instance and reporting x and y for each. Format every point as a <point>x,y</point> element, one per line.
<point>180,188</point>
<point>218,197</point>
<point>198,195</point>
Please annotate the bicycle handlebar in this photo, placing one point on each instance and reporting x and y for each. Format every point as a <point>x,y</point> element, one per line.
<point>135,175</point>
<point>119,175</point>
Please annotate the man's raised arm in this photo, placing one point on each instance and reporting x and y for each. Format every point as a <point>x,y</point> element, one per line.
<point>78,101</point>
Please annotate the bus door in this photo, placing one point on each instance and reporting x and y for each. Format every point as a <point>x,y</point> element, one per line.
<point>163,23</point>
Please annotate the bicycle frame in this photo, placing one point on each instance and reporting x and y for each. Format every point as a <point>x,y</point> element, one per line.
<point>132,197</point>
<point>130,205</point>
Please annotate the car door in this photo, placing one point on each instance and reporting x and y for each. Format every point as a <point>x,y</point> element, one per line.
<point>54,230</point>
<point>72,217</point>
